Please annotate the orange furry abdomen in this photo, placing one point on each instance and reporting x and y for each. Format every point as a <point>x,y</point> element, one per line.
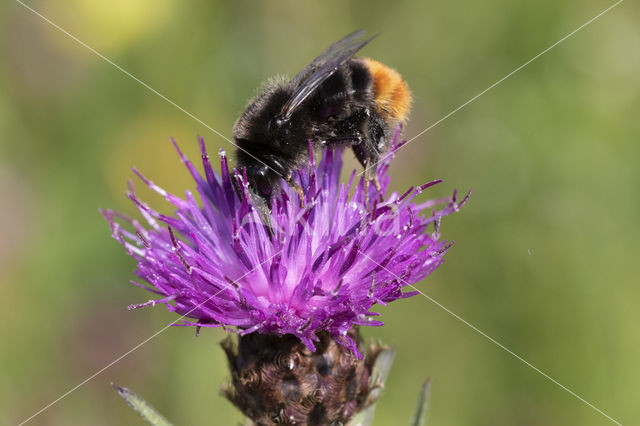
<point>390,91</point>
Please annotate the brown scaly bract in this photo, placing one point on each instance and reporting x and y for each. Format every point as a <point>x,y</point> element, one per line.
<point>279,381</point>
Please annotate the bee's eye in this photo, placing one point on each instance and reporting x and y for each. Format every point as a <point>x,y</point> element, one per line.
<point>261,181</point>
<point>264,187</point>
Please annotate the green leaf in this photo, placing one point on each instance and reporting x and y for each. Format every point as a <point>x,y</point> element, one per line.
<point>423,402</point>
<point>142,407</point>
<point>379,374</point>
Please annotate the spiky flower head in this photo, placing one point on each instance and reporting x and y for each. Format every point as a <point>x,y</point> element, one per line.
<point>318,266</point>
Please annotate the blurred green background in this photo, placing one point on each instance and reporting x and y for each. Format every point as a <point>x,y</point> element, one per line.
<point>544,252</point>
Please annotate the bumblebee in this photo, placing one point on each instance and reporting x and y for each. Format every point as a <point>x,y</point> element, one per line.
<point>336,100</point>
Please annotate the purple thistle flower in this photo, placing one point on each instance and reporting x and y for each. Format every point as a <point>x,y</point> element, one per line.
<point>319,267</point>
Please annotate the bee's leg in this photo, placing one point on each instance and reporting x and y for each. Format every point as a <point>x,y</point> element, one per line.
<point>365,158</point>
<point>368,158</point>
<point>296,187</point>
<point>366,193</point>
<point>344,140</point>
<point>376,182</point>
<point>370,175</point>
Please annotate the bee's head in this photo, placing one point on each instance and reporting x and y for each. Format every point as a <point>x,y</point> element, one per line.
<point>260,122</point>
<point>261,139</point>
<point>264,178</point>
<point>268,145</point>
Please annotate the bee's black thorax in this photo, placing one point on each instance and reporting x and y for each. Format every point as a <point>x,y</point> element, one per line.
<point>336,100</point>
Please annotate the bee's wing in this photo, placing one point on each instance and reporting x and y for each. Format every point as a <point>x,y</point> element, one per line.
<point>321,68</point>
<point>328,53</point>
